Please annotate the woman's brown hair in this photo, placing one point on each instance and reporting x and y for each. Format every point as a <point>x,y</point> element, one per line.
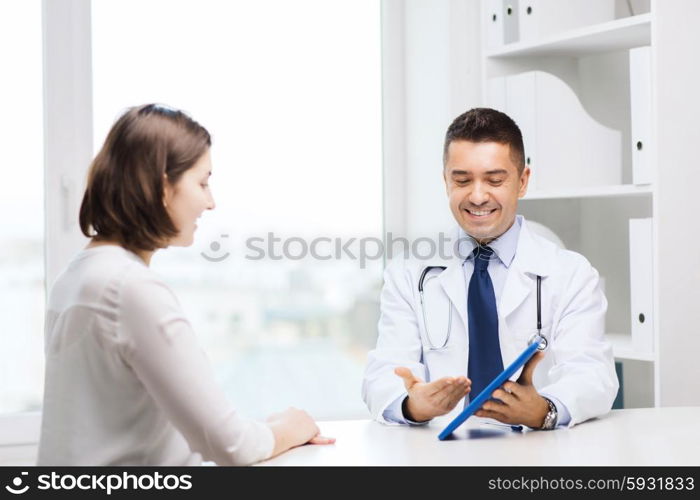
<point>123,200</point>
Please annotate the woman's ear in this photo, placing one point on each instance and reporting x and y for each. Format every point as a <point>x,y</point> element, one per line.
<point>167,191</point>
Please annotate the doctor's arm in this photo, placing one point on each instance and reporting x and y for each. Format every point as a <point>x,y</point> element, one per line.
<point>582,376</point>
<point>395,375</point>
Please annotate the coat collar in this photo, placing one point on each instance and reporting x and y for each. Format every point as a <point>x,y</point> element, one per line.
<point>533,258</point>
<point>534,254</point>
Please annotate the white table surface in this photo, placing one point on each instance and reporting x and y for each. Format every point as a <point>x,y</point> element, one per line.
<point>649,436</point>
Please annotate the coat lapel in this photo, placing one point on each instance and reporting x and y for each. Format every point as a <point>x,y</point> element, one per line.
<point>531,259</point>
<point>516,289</point>
<point>452,282</point>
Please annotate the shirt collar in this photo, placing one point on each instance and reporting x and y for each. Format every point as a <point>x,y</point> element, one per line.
<point>504,246</point>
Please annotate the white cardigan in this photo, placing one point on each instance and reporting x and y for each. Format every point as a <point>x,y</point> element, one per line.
<point>126,382</point>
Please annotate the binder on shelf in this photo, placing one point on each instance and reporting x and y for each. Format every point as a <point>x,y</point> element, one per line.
<point>564,146</point>
<point>492,16</point>
<point>541,18</point>
<point>638,7</point>
<point>520,93</point>
<point>496,98</point>
<point>511,24</point>
<point>640,107</point>
<point>642,284</point>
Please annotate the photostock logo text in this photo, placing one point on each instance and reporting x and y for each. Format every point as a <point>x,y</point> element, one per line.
<point>364,249</point>
<point>102,482</point>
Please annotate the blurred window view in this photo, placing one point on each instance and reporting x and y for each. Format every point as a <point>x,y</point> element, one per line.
<point>21,207</point>
<point>291,93</point>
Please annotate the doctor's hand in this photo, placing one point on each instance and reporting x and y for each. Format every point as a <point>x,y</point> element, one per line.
<point>428,400</point>
<point>520,402</point>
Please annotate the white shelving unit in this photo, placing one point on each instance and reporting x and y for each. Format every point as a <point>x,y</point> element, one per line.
<point>592,192</point>
<point>438,63</point>
<point>620,34</point>
<point>594,62</point>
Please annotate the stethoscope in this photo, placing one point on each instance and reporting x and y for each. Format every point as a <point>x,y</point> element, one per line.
<point>424,278</point>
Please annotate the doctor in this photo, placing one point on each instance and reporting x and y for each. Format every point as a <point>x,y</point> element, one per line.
<point>481,310</point>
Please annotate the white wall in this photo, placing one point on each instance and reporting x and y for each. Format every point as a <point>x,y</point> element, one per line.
<point>431,75</point>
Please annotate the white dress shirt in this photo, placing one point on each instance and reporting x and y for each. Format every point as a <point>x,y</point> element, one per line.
<point>126,381</point>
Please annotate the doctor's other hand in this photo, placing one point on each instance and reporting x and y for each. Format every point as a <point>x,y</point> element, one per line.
<point>520,403</point>
<point>432,399</point>
<point>294,427</point>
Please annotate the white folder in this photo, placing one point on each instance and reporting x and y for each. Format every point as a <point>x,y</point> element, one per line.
<point>511,25</point>
<point>492,22</point>
<point>640,104</point>
<point>564,146</point>
<point>521,106</point>
<point>542,18</point>
<point>642,284</point>
<point>637,7</point>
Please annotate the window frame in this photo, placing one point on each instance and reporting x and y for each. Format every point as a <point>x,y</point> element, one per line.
<point>67,89</point>
<point>68,146</point>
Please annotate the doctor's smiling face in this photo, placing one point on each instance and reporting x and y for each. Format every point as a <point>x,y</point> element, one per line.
<point>483,185</point>
<point>484,171</point>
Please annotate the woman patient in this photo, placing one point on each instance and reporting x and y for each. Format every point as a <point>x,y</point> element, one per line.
<point>126,382</point>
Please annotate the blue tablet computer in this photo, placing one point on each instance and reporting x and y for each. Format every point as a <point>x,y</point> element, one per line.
<point>484,395</point>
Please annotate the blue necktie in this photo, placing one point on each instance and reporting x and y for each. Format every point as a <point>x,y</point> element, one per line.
<point>485,361</point>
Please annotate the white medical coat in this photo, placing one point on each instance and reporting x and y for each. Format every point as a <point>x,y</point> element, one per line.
<point>578,368</point>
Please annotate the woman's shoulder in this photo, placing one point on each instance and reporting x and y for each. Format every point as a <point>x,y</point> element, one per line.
<point>140,286</point>
<point>101,290</point>
<point>141,291</point>
<point>102,275</point>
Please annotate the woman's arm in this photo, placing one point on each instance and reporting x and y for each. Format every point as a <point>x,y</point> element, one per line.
<point>162,349</point>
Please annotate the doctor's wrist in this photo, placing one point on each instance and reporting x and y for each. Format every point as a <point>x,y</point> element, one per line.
<point>411,414</point>
<point>550,419</point>
<point>536,414</point>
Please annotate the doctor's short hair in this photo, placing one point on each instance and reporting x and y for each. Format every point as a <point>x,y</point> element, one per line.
<point>124,197</point>
<point>487,125</point>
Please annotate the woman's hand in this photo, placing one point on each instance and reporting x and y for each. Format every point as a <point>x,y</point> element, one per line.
<point>294,427</point>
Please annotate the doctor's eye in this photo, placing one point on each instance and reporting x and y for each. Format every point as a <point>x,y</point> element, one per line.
<point>496,182</point>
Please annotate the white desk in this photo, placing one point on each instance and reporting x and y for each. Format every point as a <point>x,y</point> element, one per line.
<point>650,436</point>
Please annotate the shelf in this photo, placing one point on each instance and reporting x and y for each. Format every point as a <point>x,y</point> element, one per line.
<point>591,192</point>
<point>623,348</point>
<point>620,34</point>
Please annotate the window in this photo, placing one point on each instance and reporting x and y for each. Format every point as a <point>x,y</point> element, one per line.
<point>21,207</point>
<point>291,92</point>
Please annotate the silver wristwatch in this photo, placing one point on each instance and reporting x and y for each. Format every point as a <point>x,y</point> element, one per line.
<point>550,419</point>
